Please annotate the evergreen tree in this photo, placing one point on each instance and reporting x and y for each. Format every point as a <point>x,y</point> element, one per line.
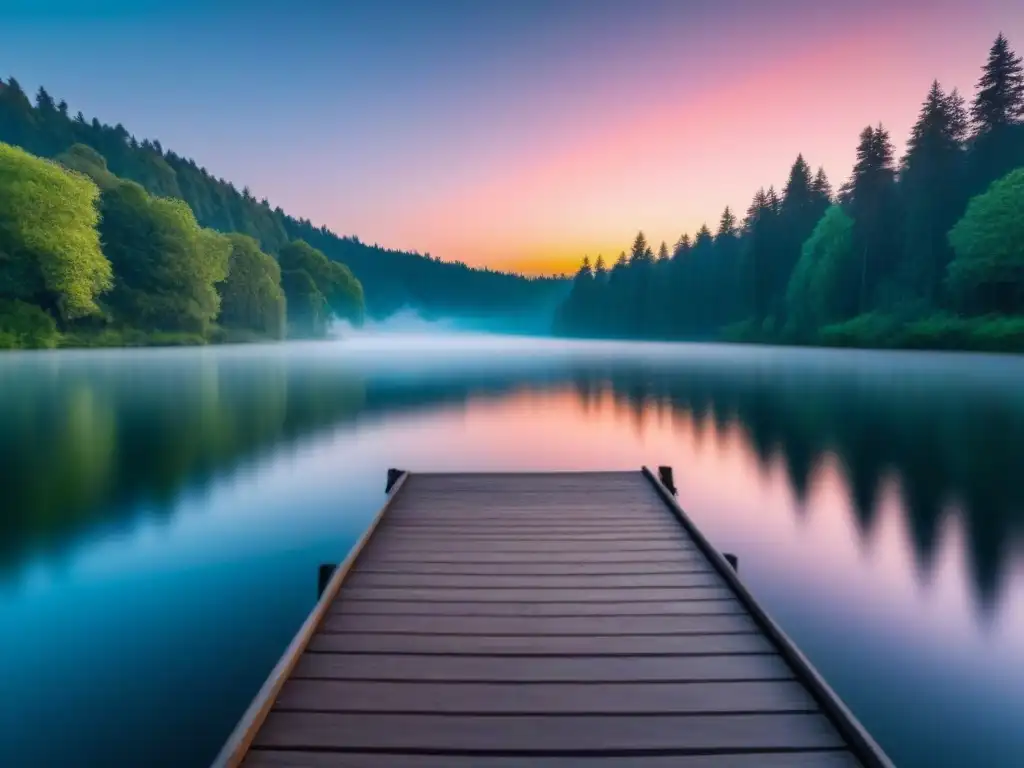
<point>871,198</point>
<point>663,251</point>
<point>997,113</point>
<point>822,189</point>
<point>932,184</point>
<point>726,225</point>
<point>682,247</point>
<point>758,246</point>
<point>799,212</point>
<point>727,269</point>
<point>641,283</point>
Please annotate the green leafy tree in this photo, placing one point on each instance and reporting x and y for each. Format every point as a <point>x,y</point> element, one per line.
<point>337,285</point>
<point>167,266</point>
<point>251,296</point>
<point>987,274</point>
<point>86,160</point>
<point>49,249</point>
<point>26,326</point>
<point>819,290</point>
<point>308,311</point>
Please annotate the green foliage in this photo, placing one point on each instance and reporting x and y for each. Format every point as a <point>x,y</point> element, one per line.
<point>308,311</point>
<point>167,266</point>
<point>88,161</point>
<point>251,296</point>
<point>131,337</point>
<point>49,250</point>
<point>988,272</point>
<point>991,333</point>
<point>819,291</point>
<point>339,290</point>
<point>25,326</point>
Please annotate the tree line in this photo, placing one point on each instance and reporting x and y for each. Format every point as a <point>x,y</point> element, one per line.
<point>89,258</point>
<point>391,279</point>
<point>925,250</point>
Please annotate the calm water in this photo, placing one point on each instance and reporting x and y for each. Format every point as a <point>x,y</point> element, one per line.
<point>164,513</point>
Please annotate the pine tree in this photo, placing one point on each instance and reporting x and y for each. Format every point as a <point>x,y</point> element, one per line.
<point>727,269</point>
<point>1000,98</point>
<point>871,198</point>
<point>727,224</point>
<point>997,114</point>
<point>821,186</point>
<point>44,101</point>
<point>663,252</point>
<point>758,244</point>
<point>640,251</point>
<point>682,247</point>
<point>799,212</point>
<point>931,181</point>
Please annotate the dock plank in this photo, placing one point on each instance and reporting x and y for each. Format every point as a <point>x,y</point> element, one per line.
<point>516,669</point>
<point>269,758</point>
<point>549,568</point>
<point>531,734</point>
<point>544,645</point>
<point>545,698</point>
<point>701,607</point>
<point>705,580</point>
<point>540,625</point>
<point>513,595</point>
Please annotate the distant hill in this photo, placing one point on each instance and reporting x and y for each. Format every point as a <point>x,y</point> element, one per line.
<point>392,280</point>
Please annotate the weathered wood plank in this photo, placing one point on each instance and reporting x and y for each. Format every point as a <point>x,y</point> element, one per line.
<point>554,568</point>
<point>624,609</point>
<point>383,555</point>
<point>525,733</point>
<point>563,549</point>
<point>427,541</point>
<point>541,698</point>
<point>529,625</point>
<point>706,580</point>
<point>513,595</point>
<point>543,645</point>
<point>471,527</point>
<point>269,758</point>
<point>518,669</point>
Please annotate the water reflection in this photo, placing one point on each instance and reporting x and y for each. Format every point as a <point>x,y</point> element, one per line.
<point>956,441</point>
<point>840,477</point>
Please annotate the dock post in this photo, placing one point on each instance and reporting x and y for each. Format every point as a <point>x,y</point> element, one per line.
<point>732,560</point>
<point>393,475</point>
<point>665,475</point>
<point>323,577</point>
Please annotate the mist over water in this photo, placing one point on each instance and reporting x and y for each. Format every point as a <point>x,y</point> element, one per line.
<point>164,513</point>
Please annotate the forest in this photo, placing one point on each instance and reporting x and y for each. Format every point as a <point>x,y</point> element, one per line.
<point>89,259</point>
<point>108,239</point>
<point>922,251</point>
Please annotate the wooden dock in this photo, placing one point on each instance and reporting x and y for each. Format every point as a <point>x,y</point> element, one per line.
<point>565,619</point>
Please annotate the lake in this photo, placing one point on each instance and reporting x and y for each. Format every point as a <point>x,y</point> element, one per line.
<point>154,501</point>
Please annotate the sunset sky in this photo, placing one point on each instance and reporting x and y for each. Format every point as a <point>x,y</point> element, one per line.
<point>521,135</point>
